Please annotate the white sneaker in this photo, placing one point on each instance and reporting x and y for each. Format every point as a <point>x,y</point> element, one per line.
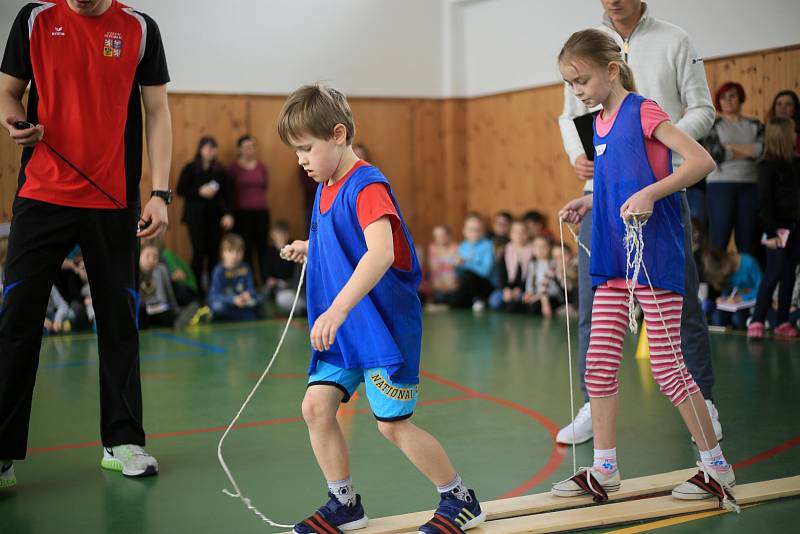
<point>478,306</point>
<point>7,476</point>
<point>583,428</point>
<point>688,491</point>
<point>712,411</point>
<point>570,488</point>
<point>132,460</point>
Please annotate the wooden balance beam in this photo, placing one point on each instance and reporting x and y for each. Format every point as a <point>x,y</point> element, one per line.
<point>638,510</point>
<point>535,504</point>
<point>544,512</point>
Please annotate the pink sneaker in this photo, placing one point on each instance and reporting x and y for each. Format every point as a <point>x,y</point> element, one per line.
<point>755,330</point>
<point>785,330</point>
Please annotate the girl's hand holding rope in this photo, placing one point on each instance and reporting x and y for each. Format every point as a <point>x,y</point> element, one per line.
<point>639,206</point>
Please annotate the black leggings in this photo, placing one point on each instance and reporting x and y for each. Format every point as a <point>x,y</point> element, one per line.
<point>781,265</point>
<point>205,235</point>
<point>471,287</point>
<point>253,226</point>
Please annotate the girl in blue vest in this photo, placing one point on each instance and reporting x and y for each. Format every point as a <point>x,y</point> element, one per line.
<point>634,181</point>
<point>364,313</point>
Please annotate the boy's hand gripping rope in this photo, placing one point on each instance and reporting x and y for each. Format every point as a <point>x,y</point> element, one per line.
<point>237,493</point>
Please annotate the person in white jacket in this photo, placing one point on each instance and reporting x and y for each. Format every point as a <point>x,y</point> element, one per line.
<point>668,70</point>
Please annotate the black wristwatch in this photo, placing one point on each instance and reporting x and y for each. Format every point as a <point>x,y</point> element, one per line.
<point>166,196</point>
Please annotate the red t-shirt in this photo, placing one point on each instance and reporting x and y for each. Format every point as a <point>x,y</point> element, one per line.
<point>373,203</point>
<point>85,74</point>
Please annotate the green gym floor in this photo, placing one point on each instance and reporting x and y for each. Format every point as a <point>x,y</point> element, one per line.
<point>494,390</point>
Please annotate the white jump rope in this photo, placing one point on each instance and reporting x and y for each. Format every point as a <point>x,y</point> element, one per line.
<point>237,493</point>
<point>634,249</point>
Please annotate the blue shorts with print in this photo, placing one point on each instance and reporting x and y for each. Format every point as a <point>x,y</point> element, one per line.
<point>389,401</point>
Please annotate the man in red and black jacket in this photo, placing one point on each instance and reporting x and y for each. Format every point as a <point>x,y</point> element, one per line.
<point>91,64</point>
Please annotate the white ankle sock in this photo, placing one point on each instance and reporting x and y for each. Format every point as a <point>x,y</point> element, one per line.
<point>605,460</point>
<point>457,488</point>
<point>714,459</point>
<point>343,491</point>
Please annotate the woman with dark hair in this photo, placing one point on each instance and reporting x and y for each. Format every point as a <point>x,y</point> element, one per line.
<point>208,203</point>
<point>786,104</point>
<point>735,142</point>
<point>250,182</point>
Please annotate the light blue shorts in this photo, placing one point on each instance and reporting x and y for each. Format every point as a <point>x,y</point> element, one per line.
<point>389,401</point>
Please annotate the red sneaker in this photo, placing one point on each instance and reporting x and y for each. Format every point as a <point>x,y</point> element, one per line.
<point>755,330</point>
<point>785,330</point>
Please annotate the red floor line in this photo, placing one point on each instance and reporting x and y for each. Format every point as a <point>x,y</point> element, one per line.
<point>557,454</point>
<point>794,442</point>
<point>179,433</point>
<point>37,450</point>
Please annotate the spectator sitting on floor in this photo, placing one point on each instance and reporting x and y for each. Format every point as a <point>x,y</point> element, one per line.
<point>737,277</point>
<point>157,303</point>
<point>476,260</point>
<point>232,294</point>
<point>512,270</point>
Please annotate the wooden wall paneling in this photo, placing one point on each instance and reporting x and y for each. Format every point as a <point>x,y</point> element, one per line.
<point>762,74</point>
<point>455,118</point>
<point>515,157</point>
<point>384,126</point>
<point>284,196</point>
<point>223,117</point>
<point>430,187</point>
<point>10,155</point>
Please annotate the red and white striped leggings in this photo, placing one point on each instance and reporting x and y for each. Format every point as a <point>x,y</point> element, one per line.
<point>609,323</point>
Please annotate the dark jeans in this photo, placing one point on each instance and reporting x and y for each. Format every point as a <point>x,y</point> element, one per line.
<point>42,235</point>
<point>781,265</point>
<point>695,343</point>
<point>733,207</point>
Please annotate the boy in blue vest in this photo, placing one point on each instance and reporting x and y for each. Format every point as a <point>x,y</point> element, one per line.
<point>364,314</point>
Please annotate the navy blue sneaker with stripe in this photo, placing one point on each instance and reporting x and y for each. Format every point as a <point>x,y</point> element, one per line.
<point>454,515</point>
<point>334,518</point>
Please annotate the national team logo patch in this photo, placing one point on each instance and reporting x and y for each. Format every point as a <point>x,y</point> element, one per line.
<point>112,44</point>
<point>393,392</point>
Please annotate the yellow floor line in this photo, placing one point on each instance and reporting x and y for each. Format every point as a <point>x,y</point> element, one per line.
<point>647,527</point>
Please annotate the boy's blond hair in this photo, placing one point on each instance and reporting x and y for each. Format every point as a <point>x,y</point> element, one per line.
<point>231,241</point>
<point>315,110</point>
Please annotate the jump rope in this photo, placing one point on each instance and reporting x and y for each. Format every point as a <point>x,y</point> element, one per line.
<point>634,249</point>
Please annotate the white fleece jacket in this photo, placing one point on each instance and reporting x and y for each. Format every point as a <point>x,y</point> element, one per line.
<point>666,68</point>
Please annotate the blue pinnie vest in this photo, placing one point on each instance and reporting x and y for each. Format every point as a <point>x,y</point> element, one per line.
<point>621,168</point>
<point>385,328</point>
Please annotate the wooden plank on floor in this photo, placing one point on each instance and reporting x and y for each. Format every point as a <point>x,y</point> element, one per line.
<point>638,510</point>
<point>538,503</point>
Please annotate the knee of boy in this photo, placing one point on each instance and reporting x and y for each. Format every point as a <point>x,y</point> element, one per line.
<point>315,409</point>
<point>391,430</point>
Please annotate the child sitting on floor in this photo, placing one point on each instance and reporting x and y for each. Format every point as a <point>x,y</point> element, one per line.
<point>232,294</point>
<point>737,277</point>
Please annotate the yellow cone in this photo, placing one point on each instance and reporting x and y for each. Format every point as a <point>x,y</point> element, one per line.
<point>643,347</point>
